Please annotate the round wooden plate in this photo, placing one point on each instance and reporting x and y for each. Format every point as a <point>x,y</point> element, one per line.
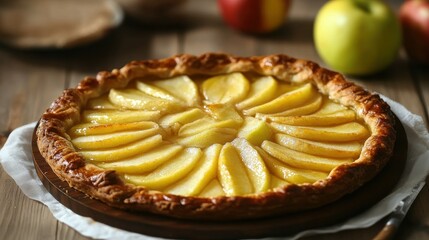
<point>161,226</point>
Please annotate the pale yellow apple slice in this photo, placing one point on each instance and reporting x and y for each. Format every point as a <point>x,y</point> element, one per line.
<point>312,106</point>
<point>208,137</point>
<point>255,167</point>
<point>335,118</point>
<point>341,133</point>
<point>277,182</point>
<point>94,142</point>
<point>100,103</point>
<point>169,172</point>
<point>223,111</point>
<point>181,87</point>
<point>203,172</point>
<point>155,91</point>
<point>255,131</point>
<point>119,153</point>
<point>261,91</point>
<point>173,122</point>
<point>336,150</point>
<point>329,107</point>
<point>284,102</point>
<point>229,88</point>
<point>302,160</point>
<point>288,173</point>
<point>232,173</point>
<point>118,116</point>
<point>137,100</point>
<point>146,162</point>
<point>206,123</point>
<point>85,129</point>
<point>213,189</point>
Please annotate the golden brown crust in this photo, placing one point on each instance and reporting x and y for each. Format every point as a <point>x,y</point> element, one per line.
<point>105,185</point>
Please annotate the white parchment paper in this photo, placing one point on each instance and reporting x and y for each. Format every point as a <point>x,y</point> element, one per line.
<point>16,159</point>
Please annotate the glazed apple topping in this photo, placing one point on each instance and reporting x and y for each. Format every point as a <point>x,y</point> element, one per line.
<point>225,135</point>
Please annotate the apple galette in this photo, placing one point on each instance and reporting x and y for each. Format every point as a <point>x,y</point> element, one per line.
<point>217,136</point>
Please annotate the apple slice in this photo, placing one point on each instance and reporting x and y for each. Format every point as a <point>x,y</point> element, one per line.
<point>229,88</point>
<point>119,153</point>
<point>188,90</point>
<point>208,137</point>
<point>169,172</point>
<point>173,122</point>
<point>94,142</point>
<point>102,102</point>
<point>261,91</point>
<point>302,160</point>
<point>341,133</point>
<point>336,150</point>
<point>206,123</point>
<point>85,129</point>
<point>284,102</point>
<point>312,106</point>
<point>256,170</point>
<point>144,163</point>
<point>204,171</point>
<point>223,111</point>
<point>155,91</point>
<point>335,118</point>
<point>213,189</point>
<point>255,131</point>
<point>232,173</point>
<point>329,107</point>
<point>137,100</point>
<point>288,173</point>
<point>277,182</point>
<point>118,116</point>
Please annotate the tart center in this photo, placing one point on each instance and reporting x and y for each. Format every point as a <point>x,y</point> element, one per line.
<point>228,135</point>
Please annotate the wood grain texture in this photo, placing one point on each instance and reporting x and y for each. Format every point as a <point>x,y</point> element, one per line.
<point>30,80</point>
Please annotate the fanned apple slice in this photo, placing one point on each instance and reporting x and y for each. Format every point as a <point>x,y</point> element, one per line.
<point>261,91</point>
<point>100,103</point>
<point>208,137</point>
<point>341,133</point>
<point>232,173</point>
<point>255,131</point>
<point>213,189</point>
<point>229,88</point>
<point>335,118</point>
<point>144,163</point>
<point>223,111</point>
<point>137,100</point>
<point>336,150</point>
<point>85,129</point>
<point>94,142</point>
<point>256,170</point>
<point>284,102</point>
<point>302,160</point>
<point>206,123</point>
<point>118,116</point>
<point>173,122</point>
<point>312,106</point>
<point>155,91</point>
<point>288,173</point>
<point>181,87</point>
<point>119,153</point>
<point>329,107</point>
<point>277,182</point>
<point>204,171</point>
<point>169,172</point>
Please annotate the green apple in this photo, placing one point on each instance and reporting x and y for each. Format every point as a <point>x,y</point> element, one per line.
<point>357,37</point>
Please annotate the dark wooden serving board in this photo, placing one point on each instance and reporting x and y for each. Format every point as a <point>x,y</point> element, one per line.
<point>161,226</point>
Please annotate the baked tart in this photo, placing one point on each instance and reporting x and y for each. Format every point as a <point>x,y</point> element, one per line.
<point>217,136</point>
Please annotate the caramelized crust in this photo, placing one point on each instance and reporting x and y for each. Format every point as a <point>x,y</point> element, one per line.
<point>105,185</point>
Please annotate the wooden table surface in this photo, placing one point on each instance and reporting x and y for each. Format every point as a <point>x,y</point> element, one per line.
<point>31,80</point>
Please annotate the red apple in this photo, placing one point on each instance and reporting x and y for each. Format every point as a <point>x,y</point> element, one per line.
<point>254,16</point>
<point>414,16</point>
